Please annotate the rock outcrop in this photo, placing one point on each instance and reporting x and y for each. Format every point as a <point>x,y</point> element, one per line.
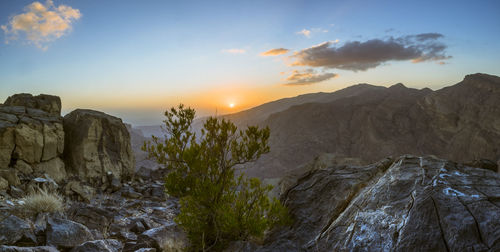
<point>33,142</point>
<point>48,103</point>
<point>97,145</point>
<point>405,204</point>
<point>31,138</point>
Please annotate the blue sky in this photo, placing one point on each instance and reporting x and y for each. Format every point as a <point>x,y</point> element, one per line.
<point>136,58</point>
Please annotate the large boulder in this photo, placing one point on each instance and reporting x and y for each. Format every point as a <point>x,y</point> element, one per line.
<point>48,103</point>
<point>32,136</point>
<point>66,234</point>
<point>407,204</point>
<point>97,144</point>
<point>14,229</point>
<point>165,238</point>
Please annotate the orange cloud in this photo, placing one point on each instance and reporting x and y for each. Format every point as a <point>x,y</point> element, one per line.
<point>41,23</point>
<point>234,51</point>
<point>274,52</point>
<point>307,77</point>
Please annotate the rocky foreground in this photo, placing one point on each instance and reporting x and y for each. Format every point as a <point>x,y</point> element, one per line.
<point>86,158</point>
<point>406,203</point>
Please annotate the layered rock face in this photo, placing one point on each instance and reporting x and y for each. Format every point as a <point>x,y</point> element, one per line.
<point>406,204</point>
<point>33,145</point>
<point>31,137</point>
<point>97,145</point>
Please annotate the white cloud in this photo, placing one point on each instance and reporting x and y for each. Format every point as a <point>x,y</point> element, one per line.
<point>305,32</point>
<point>309,32</point>
<point>234,51</point>
<point>41,24</point>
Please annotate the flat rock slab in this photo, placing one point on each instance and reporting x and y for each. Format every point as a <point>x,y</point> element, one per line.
<point>411,203</point>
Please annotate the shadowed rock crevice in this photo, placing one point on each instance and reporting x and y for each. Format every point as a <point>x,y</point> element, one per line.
<point>436,211</point>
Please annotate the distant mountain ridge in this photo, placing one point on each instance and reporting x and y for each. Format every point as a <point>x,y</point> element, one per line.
<point>367,122</point>
<point>460,122</point>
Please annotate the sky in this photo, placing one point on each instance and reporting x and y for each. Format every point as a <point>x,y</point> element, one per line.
<point>134,59</point>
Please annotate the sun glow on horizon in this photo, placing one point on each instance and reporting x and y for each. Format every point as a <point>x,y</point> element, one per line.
<point>231,105</point>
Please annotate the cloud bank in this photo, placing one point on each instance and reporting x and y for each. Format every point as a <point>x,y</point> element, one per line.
<point>274,52</point>
<point>41,23</point>
<point>361,56</point>
<point>307,77</point>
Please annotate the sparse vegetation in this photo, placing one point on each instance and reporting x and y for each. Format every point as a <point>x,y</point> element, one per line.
<point>217,206</point>
<point>41,201</point>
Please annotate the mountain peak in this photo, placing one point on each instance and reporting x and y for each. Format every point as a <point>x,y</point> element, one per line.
<point>398,85</point>
<point>481,77</point>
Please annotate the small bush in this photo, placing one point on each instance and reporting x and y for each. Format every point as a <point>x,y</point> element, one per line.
<point>218,206</point>
<point>41,202</point>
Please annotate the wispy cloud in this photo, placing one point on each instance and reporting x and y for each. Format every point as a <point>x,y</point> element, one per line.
<point>309,32</point>
<point>305,32</point>
<point>41,24</point>
<point>234,51</point>
<point>361,56</point>
<point>274,52</point>
<point>307,77</point>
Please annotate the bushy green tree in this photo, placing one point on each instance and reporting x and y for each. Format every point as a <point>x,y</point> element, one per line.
<point>217,206</point>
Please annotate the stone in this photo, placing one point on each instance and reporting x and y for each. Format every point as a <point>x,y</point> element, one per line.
<point>97,143</point>
<point>54,168</point>
<point>66,234</point>
<point>29,143</point>
<point>84,191</point>
<point>146,250</point>
<point>53,135</point>
<point>166,238</point>
<point>108,245</point>
<point>47,184</point>
<point>8,118</point>
<point>4,184</point>
<point>16,192</point>
<point>93,217</point>
<point>11,176</point>
<point>4,248</point>
<point>48,103</point>
<point>23,167</point>
<point>129,192</point>
<point>407,204</point>
<point>7,143</point>
<point>138,227</point>
<point>14,229</point>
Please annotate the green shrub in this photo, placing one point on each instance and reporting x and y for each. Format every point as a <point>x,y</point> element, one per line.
<point>217,206</point>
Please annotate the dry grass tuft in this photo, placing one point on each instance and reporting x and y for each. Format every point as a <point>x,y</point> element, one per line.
<point>41,202</point>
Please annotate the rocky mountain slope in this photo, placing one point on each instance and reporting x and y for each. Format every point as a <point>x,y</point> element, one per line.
<point>86,158</point>
<point>459,122</point>
<point>405,204</point>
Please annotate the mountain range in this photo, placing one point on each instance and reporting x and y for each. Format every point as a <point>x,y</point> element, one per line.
<point>367,122</point>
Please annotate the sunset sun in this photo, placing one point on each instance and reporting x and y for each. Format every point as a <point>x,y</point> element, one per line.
<point>231,105</point>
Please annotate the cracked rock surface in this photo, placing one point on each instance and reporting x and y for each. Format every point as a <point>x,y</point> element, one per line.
<point>406,204</point>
